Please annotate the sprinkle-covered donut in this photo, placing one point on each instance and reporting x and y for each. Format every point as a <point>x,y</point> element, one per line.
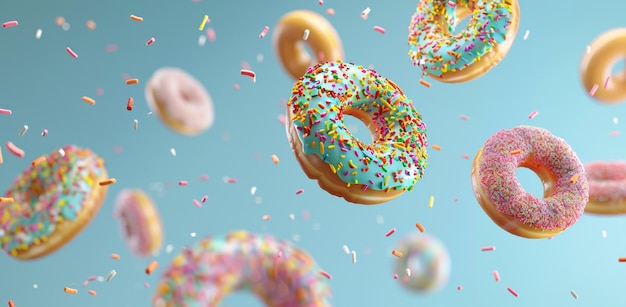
<point>305,27</point>
<point>53,200</point>
<point>503,198</point>
<point>280,274</point>
<point>607,187</point>
<point>424,262</point>
<point>343,165</point>
<point>181,101</point>
<point>140,221</point>
<point>469,54</point>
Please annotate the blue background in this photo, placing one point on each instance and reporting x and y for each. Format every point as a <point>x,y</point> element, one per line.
<point>43,86</point>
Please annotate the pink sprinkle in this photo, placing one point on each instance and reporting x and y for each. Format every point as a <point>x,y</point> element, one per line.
<point>615,133</point>
<point>299,191</point>
<point>44,132</point>
<point>210,34</point>
<point>320,56</point>
<point>459,287</point>
<point>118,149</point>
<point>380,29</point>
<point>264,32</point>
<point>204,177</point>
<point>71,52</point>
<point>593,90</point>
<point>6,111</point>
<point>325,274</point>
<point>182,183</point>
<point>99,92</point>
<point>606,82</point>
<point>237,87</point>
<point>452,3</point>
<point>85,283</point>
<point>16,151</point>
<point>390,232</point>
<point>496,275</point>
<point>146,285</point>
<point>197,203</point>
<point>306,215</point>
<point>245,65</point>
<point>321,2</point>
<point>512,291</point>
<point>150,41</point>
<point>395,276</point>
<point>92,278</point>
<point>465,156</point>
<point>488,248</point>
<point>266,217</point>
<point>9,24</point>
<point>464,117</point>
<point>533,114</point>
<point>281,119</point>
<point>204,198</point>
<point>231,180</point>
<point>110,48</point>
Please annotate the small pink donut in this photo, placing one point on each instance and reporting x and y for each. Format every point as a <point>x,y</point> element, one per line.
<point>607,187</point>
<point>140,222</point>
<point>181,101</point>
<point>503,198</point>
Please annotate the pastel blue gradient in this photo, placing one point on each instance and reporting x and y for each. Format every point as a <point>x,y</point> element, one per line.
<point>43,86</point>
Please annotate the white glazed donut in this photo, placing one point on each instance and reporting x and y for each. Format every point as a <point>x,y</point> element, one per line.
<point>180,100</point>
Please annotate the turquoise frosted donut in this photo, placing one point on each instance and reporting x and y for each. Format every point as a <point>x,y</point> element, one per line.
<point>469,54</point>
<point>345,166</point>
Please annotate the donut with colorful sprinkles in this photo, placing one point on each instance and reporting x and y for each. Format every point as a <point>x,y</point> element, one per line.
<point>53,200</point>
<point>607,187</point>
<point>342,164</point>
<point>503,198</point>
<point>455,58</point>
<point>279,273</point>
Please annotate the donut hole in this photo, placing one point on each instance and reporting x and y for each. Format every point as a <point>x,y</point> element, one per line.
<point>242,298</point>
<point>307,53</point>
<point>618,68</point>
<point>530,181</point>
<point>463,18</point>
<point>357,128</point>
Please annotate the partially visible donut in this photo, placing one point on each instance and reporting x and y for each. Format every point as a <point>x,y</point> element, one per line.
<point>140,222</point>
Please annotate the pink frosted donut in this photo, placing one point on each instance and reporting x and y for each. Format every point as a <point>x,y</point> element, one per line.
<point>180,100</point>
<point>140,222</point>
<point>607,187</point>
<point>500,194</point>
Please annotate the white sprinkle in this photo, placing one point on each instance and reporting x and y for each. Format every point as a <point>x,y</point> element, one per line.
<point>62,152</point>
<point>38,34</point>
<point>1,232</point>
<point>615,120</point>
<point>604,234</point>
<point>23,131</point>
<point>169,248</point>
<point>380,219</point>
<point>259,57</point>
<point>296,237</point>
<point>111,275</point>
<point>35,286</point>
<point>408,272</point>
<point>252,191</point>
<point>526,34</point>
<point>292,216</point>
<point>366,11</point>
<point>306,34</point>
<point>588,49</point>
<point>100,279</point>
<point>574,294</point>
<point>201,40</point>
<point>353,257</point>
<point>135,124</point>
<point>346,249</point>
<point>173,152</point>
<point>65,26</point>
<point>193,234</point>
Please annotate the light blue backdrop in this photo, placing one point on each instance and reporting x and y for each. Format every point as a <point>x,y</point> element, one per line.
<point>43,86</point>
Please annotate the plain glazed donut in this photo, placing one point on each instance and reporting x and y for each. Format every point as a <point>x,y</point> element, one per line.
<point>343,165</point>
<point>288,36</point>
<point>140,222</point>
<point>595,67</point>
<point>181,101</point>
<point>53,201</point>
<point>280,274</point>
<point>425,263</point>
<point>607,187</point>
<point>503,198</point>
<point>473,52</point>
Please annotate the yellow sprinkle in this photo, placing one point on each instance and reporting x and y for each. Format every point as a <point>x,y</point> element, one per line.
<point>204,20</point>
<point>431,201</point>
<point>322,148</point>
<point>574,178</point>
<point>351,164</point>
<point>332,168</point>
<point>387,180</point>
